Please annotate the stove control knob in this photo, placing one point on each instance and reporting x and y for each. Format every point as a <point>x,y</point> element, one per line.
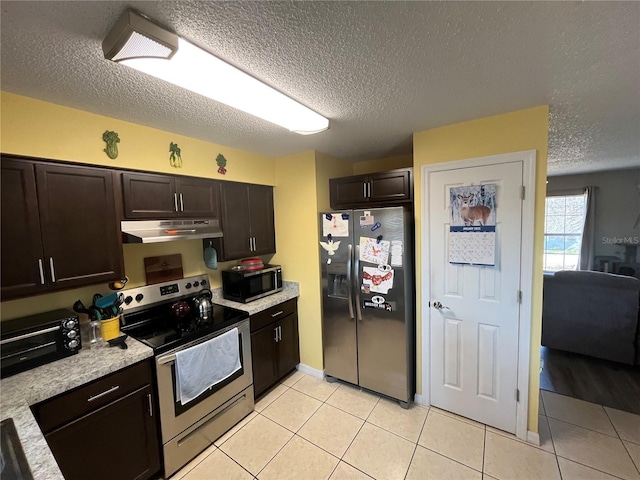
<point>72,344</point>
<point>139,297</point>
<point>203,283</point>
<point>72,334</point>
<point>195,284</point>
<point>188,285</point>
<point>69,324</point>
<point>128,299</point>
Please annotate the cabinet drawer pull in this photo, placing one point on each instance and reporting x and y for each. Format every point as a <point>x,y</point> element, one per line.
<point>150,405</point>
<point>277,313</point>
<point>53,270</point>
<point>40,266</point>
<point>95,397</point>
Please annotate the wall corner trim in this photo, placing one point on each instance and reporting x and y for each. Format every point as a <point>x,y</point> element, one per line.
<point>533,438</point>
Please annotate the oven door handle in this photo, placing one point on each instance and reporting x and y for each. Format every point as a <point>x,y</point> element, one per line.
<point>243,329</point>
<point>166,360</point>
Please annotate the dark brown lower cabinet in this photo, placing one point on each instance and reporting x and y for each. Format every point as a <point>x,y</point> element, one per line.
<point>274,344</point>
<point>117,438</point>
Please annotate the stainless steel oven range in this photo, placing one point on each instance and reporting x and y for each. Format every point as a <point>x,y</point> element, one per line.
<point>166,317</point>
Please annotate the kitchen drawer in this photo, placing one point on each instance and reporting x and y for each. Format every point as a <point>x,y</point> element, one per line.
<point>70,405</point>
<point>273,314</point>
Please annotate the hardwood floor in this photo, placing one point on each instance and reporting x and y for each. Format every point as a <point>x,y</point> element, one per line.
<point>612,384</point>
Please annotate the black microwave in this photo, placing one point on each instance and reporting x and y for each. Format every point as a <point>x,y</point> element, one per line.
<point>29,342</point>
<point>249,285</point>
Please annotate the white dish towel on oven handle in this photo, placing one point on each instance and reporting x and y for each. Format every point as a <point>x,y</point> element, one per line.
<point>206,364</point>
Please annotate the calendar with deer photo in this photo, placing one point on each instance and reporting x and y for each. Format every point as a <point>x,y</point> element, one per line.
<point>473,225</point>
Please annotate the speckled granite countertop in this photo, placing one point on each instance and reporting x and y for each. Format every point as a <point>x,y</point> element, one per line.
<point>289,290</point>
<point>20,391</point>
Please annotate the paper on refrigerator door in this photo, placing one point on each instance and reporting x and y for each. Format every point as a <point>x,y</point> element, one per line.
<point>374,251</point>
<point>378,281</point>
<point>335,224</point>
<point>396,253</point>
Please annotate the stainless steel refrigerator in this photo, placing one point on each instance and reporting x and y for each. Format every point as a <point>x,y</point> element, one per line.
<point>368,299</point>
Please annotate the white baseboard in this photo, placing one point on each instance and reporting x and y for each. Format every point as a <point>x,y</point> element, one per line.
<point>314,372</point>
<point>533,438</point>
<point>418,398</point>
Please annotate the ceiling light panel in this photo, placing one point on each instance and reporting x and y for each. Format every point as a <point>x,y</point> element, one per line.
<point>195,69</point>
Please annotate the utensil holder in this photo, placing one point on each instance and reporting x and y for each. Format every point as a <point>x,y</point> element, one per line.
<point>110,328</point>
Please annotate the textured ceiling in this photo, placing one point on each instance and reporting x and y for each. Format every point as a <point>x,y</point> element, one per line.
<point>379,70</point>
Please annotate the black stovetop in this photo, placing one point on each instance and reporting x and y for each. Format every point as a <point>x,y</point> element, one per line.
<point>157,328</point>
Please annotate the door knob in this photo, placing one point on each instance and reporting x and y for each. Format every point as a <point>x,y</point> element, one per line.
<point>439,306</point>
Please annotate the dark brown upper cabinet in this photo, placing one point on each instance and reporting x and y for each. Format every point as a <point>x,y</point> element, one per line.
<point>59,227</point>
<point>149,196</point>
<point>394,187</point>
<point>246,214</point>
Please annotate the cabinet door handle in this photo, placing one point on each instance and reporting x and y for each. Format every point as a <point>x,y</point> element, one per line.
<point>53,270</point>
<point>150,405</point>
<point>107,392</point>
<point>175,201</point>
<point>279,332</point>
<point>181,203</point>
<point>255,248</point>
<point>275,333</point>
<point>364,190</point>
<point>40,266</point>
<point>277,313</point>
<point>250,245</point>
<point>368,190</point>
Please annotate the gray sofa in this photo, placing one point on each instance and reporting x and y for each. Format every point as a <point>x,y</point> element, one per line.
<point>592,313</point>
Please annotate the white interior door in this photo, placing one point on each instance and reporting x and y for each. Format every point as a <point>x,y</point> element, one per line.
<point>474,335</point>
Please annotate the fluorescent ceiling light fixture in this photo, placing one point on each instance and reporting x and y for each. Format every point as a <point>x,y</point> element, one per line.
<point>137,42</point>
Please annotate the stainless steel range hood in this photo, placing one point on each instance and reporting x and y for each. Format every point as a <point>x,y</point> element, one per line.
<point>154,231</point>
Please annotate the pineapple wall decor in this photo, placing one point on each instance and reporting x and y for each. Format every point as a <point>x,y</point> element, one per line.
<point>222,163</point>
<point>112,139</point>
<point>175,157</point>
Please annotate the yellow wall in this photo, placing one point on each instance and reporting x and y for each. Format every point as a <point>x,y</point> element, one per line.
<point>295,233</point>
<point>510,132</point>
<point>39,129</point>
<point>303,191</point>
<point>382,164</point>
<point>328,167</point>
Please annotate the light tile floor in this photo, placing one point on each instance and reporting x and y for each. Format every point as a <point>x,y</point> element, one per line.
<point>308,429</point>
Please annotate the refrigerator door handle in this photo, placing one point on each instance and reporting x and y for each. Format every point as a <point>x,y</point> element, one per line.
<point>349,278</point>
<point>357,287</point>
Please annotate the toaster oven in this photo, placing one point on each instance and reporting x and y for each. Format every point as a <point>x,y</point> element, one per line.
<point>29,342</point>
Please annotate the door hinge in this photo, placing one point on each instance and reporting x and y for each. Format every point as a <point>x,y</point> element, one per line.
<point>517,395</point>
<point>519,296</point>
<point>521,192</point>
